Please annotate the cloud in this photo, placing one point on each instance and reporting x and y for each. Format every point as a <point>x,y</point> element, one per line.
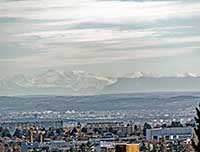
<point>99,12</point>
<point>48,33</point>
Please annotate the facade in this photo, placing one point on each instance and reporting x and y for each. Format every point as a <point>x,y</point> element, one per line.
<point>132,148</point>
<point>127,148</point>
<point>12,125</point>
<point>123,129</point>
<point>119,147</point>
<point>173,134</point>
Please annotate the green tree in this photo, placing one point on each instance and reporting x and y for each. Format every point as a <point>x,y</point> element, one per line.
<point>196,144</point>
<point>145,127</point>
<point>6,133</point>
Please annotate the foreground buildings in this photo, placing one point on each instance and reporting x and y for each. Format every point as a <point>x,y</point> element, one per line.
<point>53,136</point>
<point>170,134</point>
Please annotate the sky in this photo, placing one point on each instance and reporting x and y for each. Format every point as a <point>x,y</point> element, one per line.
<point>108,37</point>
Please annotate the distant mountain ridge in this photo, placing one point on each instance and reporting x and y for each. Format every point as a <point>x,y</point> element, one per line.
<point>153,84</point>
<point>109,102</point>
<point>52,82</point>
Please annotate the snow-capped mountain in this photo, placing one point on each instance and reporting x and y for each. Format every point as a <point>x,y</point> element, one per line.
<point>189,74</point>
<point>146,83</point>
<point>54,82</point>
<point>140,74</point>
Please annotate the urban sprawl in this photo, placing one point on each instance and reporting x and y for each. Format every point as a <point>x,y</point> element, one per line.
<point>42,132</point>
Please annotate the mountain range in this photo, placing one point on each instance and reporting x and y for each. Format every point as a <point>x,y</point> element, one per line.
<point>54,82</point>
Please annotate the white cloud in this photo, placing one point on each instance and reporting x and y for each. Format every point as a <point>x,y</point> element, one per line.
<point>97,11</point>
<point>58,30</point>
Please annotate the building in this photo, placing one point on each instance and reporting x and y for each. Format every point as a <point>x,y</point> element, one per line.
<point>122,129</point>
<point>107,146</point>
<point>170,134</point>
<point>132,147</point>
<point>127,147</point>
<point>12,125</point>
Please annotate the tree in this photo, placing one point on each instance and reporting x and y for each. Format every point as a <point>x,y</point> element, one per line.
<point>145,127</point>
<point>89,147</point>
<point>84,130</point>
<point>176,124</point>
<point>6,133</point>
<point>17,133</point>
<point>196,144</point>
<point>59,131</point>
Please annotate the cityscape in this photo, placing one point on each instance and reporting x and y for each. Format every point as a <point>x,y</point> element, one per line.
<point>139,127</point>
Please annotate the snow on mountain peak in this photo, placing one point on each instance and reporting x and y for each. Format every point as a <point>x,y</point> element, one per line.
<point>78,72</point>
<point>81,82</point>
<point>153,75</point>
<point>76,81</point>
<point>188,74</point>
<point>140,74</point>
